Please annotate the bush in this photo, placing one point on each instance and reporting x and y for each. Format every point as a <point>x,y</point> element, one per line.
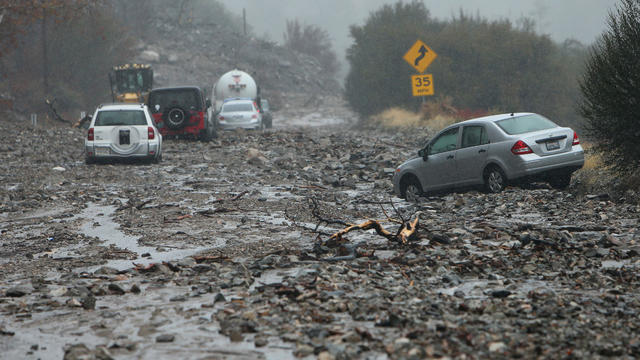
<point>610,91</point>
<point>313,41</point>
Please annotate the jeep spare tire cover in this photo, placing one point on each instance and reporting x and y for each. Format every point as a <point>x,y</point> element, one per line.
<point>176,117</point>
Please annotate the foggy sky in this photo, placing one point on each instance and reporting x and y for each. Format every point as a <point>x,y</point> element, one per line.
<point>583,20</point>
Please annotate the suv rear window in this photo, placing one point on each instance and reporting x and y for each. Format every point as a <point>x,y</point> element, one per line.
<point>188,99</point>
<point>237,107</point>
<point>524,124</point>
<point>120,117</point>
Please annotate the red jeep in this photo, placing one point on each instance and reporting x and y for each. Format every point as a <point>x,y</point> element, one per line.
<point>181,111</point>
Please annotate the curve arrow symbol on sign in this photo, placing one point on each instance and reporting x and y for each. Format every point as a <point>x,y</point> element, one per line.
<point>423,51</point>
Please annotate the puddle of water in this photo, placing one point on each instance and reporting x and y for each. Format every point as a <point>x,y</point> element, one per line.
<point>101,225</point>
<point>475,289</point>
<point>276,276</point>
<point>311,120</point>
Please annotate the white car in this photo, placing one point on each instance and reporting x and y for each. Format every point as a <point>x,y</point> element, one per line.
<point>239,113</point>
<point>123,131</point>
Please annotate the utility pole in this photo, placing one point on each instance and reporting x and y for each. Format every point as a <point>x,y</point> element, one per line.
<point>244,20</point>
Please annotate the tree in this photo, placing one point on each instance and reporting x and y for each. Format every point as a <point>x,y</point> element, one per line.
<point>313,41</point>
<point>67,56</point>
<point>610,89</point>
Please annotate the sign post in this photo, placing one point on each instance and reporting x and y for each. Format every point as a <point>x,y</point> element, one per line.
<point>420,56</point>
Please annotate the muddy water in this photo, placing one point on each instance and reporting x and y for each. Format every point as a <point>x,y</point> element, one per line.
<point>99,223</point>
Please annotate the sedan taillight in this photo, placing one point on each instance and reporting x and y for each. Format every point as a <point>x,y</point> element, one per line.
<point>521,148</point>
<point>150,133</point>
<point>576,139</point>
<point>90,134</point>
<point>254,116</point>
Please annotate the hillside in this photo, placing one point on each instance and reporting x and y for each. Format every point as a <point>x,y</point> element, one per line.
<point>199,52</point>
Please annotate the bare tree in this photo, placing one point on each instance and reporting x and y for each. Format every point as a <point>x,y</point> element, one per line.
<point>311,40</point>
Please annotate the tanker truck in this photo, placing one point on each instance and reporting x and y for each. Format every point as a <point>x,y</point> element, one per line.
<point>235,84</point>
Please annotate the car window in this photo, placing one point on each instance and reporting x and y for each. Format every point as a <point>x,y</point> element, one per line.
<point>447,141</point>
<point>237,107</point>
<point>189,99</point>
<point>474,136</point>
<point>120,117</point>
<point>524,124</point>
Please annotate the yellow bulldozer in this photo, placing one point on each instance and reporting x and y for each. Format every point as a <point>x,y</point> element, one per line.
<point>131,83</point>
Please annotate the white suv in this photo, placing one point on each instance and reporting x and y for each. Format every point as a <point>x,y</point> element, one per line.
<point>123,131</point>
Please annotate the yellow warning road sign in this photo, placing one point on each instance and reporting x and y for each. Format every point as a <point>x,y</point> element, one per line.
<point>420,56</point>
<point>422,85</point>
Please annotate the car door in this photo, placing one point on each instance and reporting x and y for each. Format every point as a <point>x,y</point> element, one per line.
<point>472,155</point>
<point>438,170</point>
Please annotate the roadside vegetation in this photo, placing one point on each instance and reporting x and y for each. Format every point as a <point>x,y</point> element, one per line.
<point>482,66</point>
<point>314,41</point>
<point>610,103</point>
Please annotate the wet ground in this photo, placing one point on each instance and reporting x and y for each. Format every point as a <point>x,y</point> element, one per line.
<point>221,252</point>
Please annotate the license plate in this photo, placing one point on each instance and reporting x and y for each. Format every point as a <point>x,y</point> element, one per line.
<point>125,137</point>
<point>553,145</point>
<point>103,151</point>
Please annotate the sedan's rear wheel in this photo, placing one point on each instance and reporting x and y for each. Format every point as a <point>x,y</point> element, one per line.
<point>412,190</point>
<point>494,180</point>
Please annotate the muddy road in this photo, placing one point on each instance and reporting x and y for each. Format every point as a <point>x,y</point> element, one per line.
<point>219,252</point>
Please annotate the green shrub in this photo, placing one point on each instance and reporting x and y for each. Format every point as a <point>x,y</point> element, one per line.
<point>611,91</point>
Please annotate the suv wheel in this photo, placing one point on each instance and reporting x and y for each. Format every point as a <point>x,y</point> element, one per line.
<point>494,180</point>
<point>176,118</point>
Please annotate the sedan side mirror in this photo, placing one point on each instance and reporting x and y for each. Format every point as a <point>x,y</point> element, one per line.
<point>423,154</point>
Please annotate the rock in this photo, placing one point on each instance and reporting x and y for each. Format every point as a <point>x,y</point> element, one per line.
<point>500,293</point>
<point>105,270</point>
<point>149,56</point>
<point>255,157</point>
<point>202,268</point>
<point>165,338</point>
<point>73,302</point>
<point>88,303</point>
<point>116,289</point>
<point>77,352</point>
<point>303,350</point>
<point>325,355</point>
<point>497,346</point>
<point>19,291</point>
<point>260,341</point>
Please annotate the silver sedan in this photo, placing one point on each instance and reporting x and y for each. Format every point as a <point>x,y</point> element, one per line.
<point>492,151</point>
<point>239,113</point>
